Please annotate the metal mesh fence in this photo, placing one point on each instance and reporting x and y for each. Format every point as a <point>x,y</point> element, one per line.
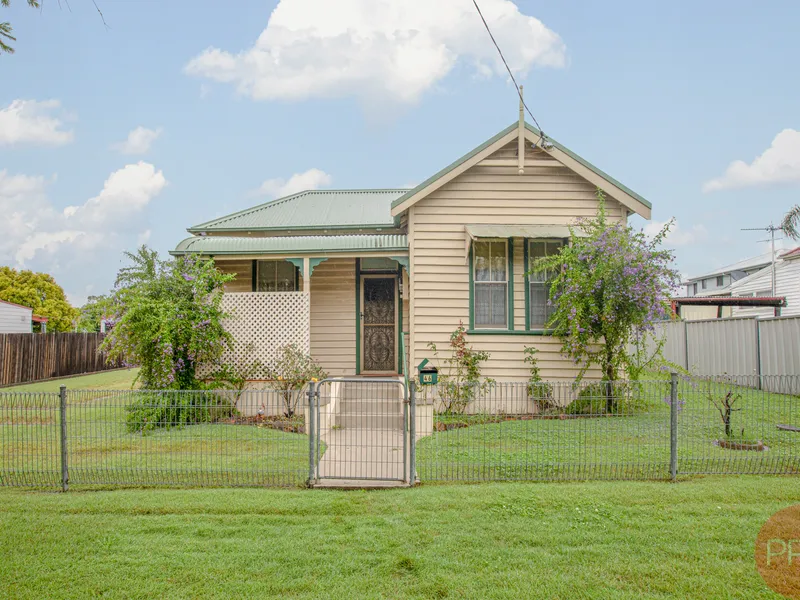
<point>184,438</point>
<point>544,431</point>
<point>30,452</point>
<point>569,431</point>
<point>739,425</point>
<point>499,431</point>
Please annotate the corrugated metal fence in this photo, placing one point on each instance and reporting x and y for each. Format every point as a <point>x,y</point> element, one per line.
<point>26,357</point>
<point>741,345</point>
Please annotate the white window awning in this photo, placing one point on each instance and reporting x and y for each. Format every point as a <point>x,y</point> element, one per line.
<point>474,232</point>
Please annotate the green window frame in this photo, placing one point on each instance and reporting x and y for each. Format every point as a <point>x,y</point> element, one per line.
<point>490,279</point>
<point>536,283</point>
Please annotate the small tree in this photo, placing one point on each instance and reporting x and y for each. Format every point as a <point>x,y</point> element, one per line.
<point>291,371</point>
<point>612,284</point>
<point>92,313</point>
<point>462,374</point>
<point>168,318</point>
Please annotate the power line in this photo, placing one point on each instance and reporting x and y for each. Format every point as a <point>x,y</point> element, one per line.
<point>519,92</point>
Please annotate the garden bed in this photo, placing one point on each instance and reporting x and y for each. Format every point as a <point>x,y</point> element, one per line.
<point>295,424</point>
<point>751,446</point>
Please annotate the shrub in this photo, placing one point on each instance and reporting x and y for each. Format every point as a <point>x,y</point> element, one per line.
<point>537,389</point>
<point>291,372</point>
<point>169,409</point>
<point>461,377</point>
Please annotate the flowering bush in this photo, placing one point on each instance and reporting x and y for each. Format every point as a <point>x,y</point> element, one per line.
<point>461,377</point>
<point>291,372</point>
<point>167,318</point>
<point>612,284</point>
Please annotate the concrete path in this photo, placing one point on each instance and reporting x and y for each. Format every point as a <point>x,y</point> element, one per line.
<point>362,454</point>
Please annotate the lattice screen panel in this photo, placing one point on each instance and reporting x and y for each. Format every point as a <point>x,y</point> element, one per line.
<point>262,322</point>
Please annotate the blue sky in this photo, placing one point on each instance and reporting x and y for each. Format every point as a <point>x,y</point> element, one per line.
<point>663,97</point>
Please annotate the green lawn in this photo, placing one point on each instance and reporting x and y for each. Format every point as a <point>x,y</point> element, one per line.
<point>615,540</point>
<point>633,446</point>
<point>120,379</point>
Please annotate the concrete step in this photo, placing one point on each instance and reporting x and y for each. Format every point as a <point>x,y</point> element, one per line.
<point>371,421</point>
<point>371,405</point>
<point>383,391</point>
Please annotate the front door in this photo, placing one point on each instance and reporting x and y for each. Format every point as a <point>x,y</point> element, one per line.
<point>379,324</point>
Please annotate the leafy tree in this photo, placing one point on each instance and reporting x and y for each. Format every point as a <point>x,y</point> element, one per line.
<point>610,286</point>
<point>6,30</point>
<point>40,292</point>
<point>791,223</point>
<point>93,312</point>
<point>167,318</point>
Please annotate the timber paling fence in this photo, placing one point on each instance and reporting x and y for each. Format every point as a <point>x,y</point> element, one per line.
<point>27,357</point>
<point>646,430</point>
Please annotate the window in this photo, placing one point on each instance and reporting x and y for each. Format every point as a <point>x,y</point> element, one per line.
<point>694,288</point>
<point>720,280</point>
<point>490,278</point>
<point>704,283</point>
<point>763,294</point>
<point>539,310</point>
<point>275,276</point>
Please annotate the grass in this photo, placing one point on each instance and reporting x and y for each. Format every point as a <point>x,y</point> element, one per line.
<point>635,445</point>
<point>101,449</point>
<point>620,540</point>
<point>120,379</point>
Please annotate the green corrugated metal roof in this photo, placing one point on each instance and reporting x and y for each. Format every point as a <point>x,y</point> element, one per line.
<point>305,244</point>
<point>492,140</point>
<point>312,209</point>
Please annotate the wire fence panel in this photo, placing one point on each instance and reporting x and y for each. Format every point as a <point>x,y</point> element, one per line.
<point>192,438</point>
<point>734,425</point>
<point>545,431</point>
<point>490,432</point>
<point>362,430</point>
<point>30,453</point>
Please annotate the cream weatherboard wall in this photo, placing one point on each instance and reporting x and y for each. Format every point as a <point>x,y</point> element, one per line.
<point>546,194</point>
<point>333,316</point>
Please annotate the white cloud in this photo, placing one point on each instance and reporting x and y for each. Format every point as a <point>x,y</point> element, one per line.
<point>33,122</point>
<point>77,242</point>
<point>308,180</point>
<point>377,48</point>
<point>138,142</point>
<point>677,236</point>
<point>780,163</point>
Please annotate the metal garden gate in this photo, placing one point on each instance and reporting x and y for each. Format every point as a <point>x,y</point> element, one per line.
<point>363,431</point>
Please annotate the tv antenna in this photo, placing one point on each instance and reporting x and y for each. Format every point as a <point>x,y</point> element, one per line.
<point>771,229</point>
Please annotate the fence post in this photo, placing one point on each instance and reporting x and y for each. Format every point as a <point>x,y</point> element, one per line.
<point>673,426</point>
<point>412,392</point>
<point>62,393</point>
<point>311,431</point>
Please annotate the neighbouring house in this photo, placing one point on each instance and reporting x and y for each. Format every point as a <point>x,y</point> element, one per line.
<point>759,284</point>
<point>355,276</point>
<point>15,318</point>
<point>717,283</point>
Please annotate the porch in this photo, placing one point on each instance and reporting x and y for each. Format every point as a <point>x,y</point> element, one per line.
<point>348,311</point>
